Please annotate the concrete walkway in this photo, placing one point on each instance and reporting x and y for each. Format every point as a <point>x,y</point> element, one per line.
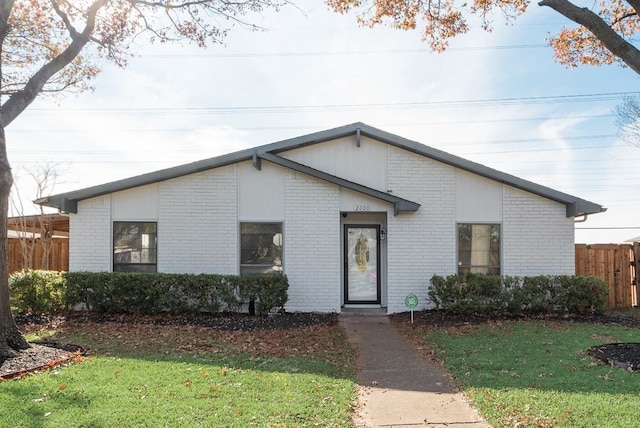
<point>399,387</point>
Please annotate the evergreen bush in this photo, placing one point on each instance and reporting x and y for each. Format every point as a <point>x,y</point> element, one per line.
<point>38,291</point>
<point>144,293</point>
<point>479,294</point>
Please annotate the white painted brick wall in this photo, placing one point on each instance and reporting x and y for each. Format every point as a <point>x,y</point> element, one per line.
<point>198,223</point>
<point>419,244</point>
<point>90,247</point>
<point>198,232</point>
<point>538,238</point>
<point>312,244</point>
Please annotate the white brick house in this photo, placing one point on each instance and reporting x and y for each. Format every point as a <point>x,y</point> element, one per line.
<point>352,215</point>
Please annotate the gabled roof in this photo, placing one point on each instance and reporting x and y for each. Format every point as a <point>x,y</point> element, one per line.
<point>67,202</point>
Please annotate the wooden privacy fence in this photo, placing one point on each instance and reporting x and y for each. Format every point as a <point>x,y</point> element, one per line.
<point>618,264</point>
<point>58,257</point>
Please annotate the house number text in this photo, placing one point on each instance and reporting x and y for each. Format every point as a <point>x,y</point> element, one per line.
<point>363,207</point>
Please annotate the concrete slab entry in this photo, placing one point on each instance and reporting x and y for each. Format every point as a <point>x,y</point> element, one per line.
<point>399,387</point>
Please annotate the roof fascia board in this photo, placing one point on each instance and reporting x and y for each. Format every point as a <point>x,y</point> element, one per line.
<point>311,139</point>
<point>581,208</point>
<point>400,204</point>
<point>67,202</point>
<point>575,207</point>
<point>64,204</point>
<point>57,201</point>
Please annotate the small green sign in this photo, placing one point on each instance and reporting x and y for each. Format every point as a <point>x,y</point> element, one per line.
<point>411,301</point>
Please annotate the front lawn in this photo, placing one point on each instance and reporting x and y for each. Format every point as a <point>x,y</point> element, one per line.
<point>149,375</point>
<point>537,373</point>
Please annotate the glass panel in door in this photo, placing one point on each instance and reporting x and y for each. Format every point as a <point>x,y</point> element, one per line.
<point>362,273</point>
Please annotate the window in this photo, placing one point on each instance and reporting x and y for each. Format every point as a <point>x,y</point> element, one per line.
<point>135,247</point>
<point>260,248</point>
<point>479,248</point>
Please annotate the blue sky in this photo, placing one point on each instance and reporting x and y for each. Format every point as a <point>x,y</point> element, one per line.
<point>494,98</point>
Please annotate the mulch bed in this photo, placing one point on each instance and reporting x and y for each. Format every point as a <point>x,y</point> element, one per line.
<point>442,319</point>
<point>37,358</point>
<point>623,355</point>
<point>221,321</point>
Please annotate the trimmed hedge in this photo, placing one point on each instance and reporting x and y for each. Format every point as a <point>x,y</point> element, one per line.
<point>37,291</point>
<point>144,293</point>
<point>499,296</point>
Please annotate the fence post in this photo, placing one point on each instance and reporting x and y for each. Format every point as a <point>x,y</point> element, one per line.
<point>636,269</point>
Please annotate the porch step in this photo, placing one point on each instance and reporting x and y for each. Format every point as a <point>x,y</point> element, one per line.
<point>363,310</point>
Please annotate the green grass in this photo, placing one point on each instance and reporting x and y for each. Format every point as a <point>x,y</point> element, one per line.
<point>537,374</point>
<point>164,386</point>
<point>111,392</point>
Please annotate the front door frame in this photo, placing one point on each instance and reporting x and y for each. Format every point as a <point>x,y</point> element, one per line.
<point>345,250</point>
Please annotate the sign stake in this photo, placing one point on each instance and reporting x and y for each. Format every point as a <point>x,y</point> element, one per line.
<point>411,301</point>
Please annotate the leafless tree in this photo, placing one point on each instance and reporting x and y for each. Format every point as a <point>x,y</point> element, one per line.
<point>33,226</point>
<point>628,120</point>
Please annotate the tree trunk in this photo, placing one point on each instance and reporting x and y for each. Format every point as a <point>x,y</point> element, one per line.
<point>10,338</point>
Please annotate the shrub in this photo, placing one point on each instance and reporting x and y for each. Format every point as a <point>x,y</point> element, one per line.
<point>37,291</point>
<point>145,293</point>
<point>271,292</point>
<point>587,294</point>
<point>498,296</point>
<point>447,293</point>
<point>464,294</point>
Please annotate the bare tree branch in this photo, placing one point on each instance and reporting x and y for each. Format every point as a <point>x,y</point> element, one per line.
<point>628,120</point>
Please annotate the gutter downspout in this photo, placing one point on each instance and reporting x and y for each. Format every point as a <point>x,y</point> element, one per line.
<point>581,220</point>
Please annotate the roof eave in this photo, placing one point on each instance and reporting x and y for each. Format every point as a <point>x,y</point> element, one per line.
<point>68,202</point>
<point>580,208</point>
<point>575,207</point>
<point>63,204</point>
<point>400,204</point>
